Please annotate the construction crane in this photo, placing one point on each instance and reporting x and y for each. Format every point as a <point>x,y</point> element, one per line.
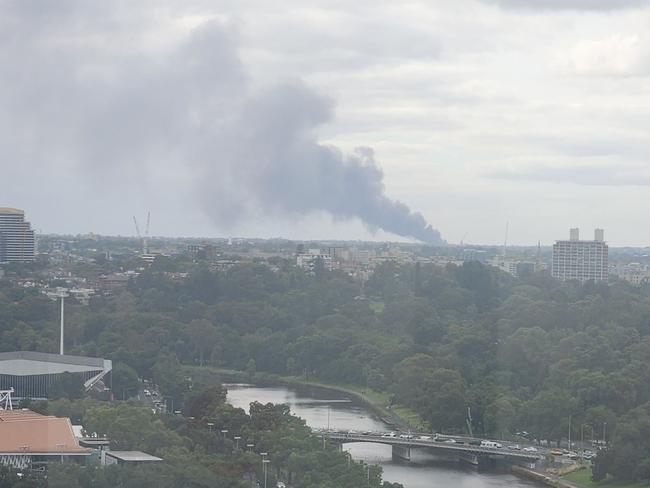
<point>144,238</point>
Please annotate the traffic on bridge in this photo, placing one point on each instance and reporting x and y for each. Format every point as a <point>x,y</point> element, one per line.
<point>466,448</point>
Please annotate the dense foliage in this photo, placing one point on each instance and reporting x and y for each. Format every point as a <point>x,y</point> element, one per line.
<point>196,451</point>
<point>523,354</point>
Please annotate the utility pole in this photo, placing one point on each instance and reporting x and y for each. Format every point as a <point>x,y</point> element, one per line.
<point>62,324</point>
<point>265,462</point>
<point>569,432</point>
<point>62,293</point>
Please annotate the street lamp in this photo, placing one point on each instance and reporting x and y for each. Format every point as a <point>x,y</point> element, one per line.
<point>264,463</point>
<point>604,433</point>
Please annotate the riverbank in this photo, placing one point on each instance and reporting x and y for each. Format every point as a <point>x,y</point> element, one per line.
<point>543,478</point>
<point>378,402</point>
<point>582,479</point>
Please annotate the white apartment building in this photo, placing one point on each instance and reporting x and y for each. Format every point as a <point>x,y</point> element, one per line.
<point>311,259</point>
<point>581,260</point>
<point>16,236</point>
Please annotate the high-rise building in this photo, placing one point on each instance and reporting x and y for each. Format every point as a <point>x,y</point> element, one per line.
<point>581,260</point>
<point>16,236</point>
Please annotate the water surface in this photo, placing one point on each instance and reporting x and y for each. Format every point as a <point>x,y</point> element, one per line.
<point>320,409</point>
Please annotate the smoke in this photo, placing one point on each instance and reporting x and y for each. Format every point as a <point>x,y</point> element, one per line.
<point>82,95</point>
<point>272,160</point>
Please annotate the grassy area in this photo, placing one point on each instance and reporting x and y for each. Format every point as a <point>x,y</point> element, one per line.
<point>381,399</point>
<point>582,478</point>
<point>376,306</point>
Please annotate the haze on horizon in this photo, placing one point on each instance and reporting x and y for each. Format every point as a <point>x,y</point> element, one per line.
<point>531,112</point>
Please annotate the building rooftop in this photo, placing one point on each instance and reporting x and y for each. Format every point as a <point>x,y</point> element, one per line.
<point>132,456</point>
<point>26,432</point>
<point>25,363</point>
<point>9,210</point>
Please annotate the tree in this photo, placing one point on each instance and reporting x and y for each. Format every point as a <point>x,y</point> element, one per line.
<point>203,403</point>
<point>447,405</point>
<point>67,385</point>
<point>203,336</point>
<point>251,368</point>
<point>124,381</point>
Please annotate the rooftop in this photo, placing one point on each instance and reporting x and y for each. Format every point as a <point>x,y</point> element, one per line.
<point>132,456</point>
<point>25,363</point>
<point>27,432</point>
<point>9,210</point>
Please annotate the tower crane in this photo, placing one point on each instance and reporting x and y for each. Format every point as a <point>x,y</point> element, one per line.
<point>144,238</point>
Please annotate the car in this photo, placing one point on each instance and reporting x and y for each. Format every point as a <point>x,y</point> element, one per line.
<point>389,434</point>
<point>406,436</point>
<point>556,452</point>
<point>439,439</point>
<point>515,447</point>
<point>530,449</point>
<point>492,444</point>
<point>425,438</point>
<point>450,441</point>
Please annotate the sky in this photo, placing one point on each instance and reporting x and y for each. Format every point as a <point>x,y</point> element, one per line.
<point>329,119</point>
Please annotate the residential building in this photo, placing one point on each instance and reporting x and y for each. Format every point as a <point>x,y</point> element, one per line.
<point>16,236</point>
<point>583,261</point>
<point>634,273</point>
<point>312,259</point>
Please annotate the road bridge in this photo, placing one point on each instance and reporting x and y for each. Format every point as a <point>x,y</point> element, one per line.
<point>474,454</point>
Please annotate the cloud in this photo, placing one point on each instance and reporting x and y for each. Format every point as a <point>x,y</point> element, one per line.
<point>82,96</point>
<point>577,174</point>
<point>570,4</point>
<point>617,55</point>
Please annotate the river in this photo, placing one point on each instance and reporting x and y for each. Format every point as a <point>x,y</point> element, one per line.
<point>320,408</point>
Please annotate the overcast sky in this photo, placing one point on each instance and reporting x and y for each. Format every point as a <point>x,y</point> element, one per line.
<point>478,113</point>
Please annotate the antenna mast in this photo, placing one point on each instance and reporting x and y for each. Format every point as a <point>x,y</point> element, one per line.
<point>145,239</point>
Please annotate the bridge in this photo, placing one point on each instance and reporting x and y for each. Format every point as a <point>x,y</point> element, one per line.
<point>478,455</point>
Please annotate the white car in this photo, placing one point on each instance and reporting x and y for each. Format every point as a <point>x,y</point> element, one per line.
<point>530,449</point>
<point>388,434</point>
<point>425,438</point>
<point>515,447</point>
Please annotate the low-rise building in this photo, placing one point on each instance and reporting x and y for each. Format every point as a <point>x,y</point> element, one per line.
<point>34,374</point>
<point>128,457</point>
<point>312,259</point>
<point>29,440</point>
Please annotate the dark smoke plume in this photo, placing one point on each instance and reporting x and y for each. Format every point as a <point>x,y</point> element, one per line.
<point>85,96</point>
<point>271,153</point>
